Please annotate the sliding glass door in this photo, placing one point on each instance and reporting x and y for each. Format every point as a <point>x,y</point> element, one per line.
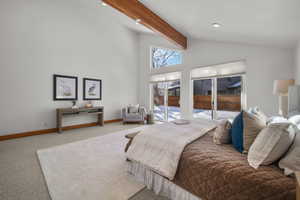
<point>173,100</point>
<point>159,100</point>
<point>229,96</point>
<point>203,98</point>
<point>217,97</point>
<point>166,100</point>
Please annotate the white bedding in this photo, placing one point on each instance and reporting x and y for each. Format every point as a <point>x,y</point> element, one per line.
<point>159,147</point>
<point>158,184</point>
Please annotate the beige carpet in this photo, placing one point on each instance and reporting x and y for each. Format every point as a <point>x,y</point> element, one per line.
<point>90,169</point>
<point>21,176</point>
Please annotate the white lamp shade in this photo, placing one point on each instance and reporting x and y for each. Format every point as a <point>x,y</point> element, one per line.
<point>281,87</point>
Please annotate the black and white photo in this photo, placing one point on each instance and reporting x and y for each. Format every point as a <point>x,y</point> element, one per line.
<point>65,87</point>
<point>92,89</point>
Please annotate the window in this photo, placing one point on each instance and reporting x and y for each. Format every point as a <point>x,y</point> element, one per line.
<point>218,91</point>
<point>165,96</point>
<point>165,57</point>
<point>228,97</point>
<point>203,107</point>
<point>218,97</point>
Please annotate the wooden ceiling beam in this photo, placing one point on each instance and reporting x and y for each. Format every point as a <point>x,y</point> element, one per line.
<point>136,10</point>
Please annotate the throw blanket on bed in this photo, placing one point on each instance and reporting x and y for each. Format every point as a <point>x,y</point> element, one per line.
<point>159,147</point>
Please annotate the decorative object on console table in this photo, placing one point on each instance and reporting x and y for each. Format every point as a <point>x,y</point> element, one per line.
<point>74,106</point>
<point>60,112</point>
<point>281,88</point>
<point>65,88</point>
<point>89,104</point>
<point>92,89</point>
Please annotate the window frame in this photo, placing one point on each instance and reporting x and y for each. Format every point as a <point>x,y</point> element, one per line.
<point>166,67</point>
<point>166,96</point>
<point>214,92</point>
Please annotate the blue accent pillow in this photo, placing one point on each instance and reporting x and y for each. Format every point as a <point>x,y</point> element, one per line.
<point>237,132</point>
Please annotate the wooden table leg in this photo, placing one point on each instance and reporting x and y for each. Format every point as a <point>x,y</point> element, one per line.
<point>59,121</point>
<point>100,120</point>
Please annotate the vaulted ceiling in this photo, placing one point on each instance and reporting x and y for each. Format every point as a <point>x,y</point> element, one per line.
<point>271,22</point>
<point>144,16</point>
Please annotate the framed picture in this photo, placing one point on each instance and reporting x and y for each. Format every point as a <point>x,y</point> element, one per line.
<point>65,88</point>
<point>92,89</point>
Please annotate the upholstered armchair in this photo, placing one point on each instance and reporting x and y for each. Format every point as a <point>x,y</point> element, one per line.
<point>134,114</point>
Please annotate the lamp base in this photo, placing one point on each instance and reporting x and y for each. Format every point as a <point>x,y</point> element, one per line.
<point>283,106</point>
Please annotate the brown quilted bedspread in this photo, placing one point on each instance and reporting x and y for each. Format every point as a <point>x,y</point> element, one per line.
<point>218,172</point>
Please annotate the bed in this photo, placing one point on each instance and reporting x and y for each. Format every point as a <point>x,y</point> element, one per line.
<point>207,171</point>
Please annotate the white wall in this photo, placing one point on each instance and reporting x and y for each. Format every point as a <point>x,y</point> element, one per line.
<point>40,38</point>
<point>297,69</point>
<point>264,65</point>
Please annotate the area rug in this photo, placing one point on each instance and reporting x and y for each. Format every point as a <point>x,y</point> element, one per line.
<point>92,169</point>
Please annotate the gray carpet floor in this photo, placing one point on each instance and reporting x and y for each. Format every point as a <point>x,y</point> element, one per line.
<point>21,177</point>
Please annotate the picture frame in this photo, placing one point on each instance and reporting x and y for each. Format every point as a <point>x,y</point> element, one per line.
<point>92,89</point>
<point>65,88</point>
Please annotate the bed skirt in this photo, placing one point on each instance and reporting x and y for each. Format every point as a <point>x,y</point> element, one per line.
<point>158,184</point>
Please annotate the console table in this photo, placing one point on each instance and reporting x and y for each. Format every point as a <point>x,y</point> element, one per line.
<point>60,112</point>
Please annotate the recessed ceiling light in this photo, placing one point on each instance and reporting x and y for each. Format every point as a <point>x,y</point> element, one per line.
<point>138,21</point>
<point>103,3</point>
<point>216,25</point>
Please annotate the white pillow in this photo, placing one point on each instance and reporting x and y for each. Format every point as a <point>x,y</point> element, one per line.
<point>258,113</point>
<point>277,119</point>
<point>271,144</point>
<point>222,134</point>
<point>133,108</point>
<point>291,161</point>
<point>295,120</point>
